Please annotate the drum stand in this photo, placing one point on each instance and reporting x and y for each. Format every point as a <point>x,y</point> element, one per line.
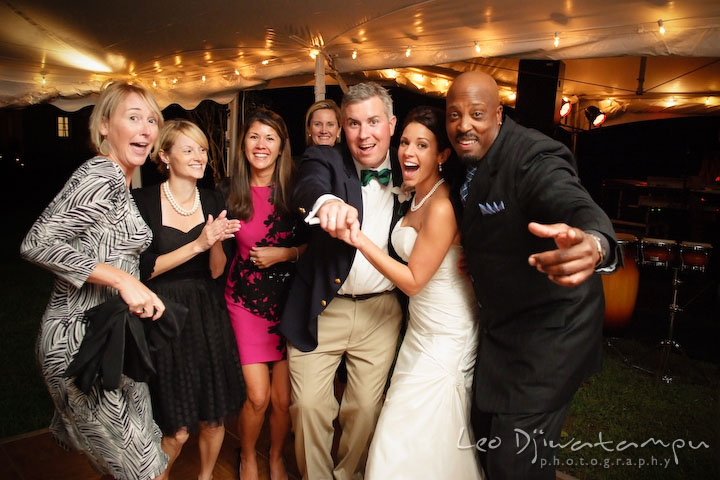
<point>667,345</point>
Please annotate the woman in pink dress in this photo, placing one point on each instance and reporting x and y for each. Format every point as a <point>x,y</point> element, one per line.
<point>267,247</point>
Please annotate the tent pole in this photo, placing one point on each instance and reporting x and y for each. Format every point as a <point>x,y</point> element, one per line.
<point>319,77</point>
<point>231,133</point>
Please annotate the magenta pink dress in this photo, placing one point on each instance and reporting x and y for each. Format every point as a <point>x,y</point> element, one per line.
<point>255,296</point>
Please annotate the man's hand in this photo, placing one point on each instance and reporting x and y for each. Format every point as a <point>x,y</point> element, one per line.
<point>573,261</point>
<point>339,219</point>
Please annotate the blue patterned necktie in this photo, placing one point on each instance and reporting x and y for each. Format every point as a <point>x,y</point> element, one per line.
<point>382,176</point>
<point>466,184</point>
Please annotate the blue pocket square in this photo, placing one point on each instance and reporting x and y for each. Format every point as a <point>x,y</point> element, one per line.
<point>491,208</point>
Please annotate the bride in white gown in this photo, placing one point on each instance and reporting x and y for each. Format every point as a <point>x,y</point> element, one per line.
<point>425,421</point>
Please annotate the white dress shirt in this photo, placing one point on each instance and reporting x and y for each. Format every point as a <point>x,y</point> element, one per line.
<point>378,203</point>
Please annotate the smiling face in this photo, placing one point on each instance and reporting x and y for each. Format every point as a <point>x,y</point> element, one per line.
<point>130,132</point>
<point>474,115</point>
<point>368,131</point>
<point>261,147</point>
<point>186,158</point>
<point>324,127</point>
<point>419,156</point>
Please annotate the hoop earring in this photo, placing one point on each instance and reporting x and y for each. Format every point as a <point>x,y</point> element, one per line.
<point>105,147</point>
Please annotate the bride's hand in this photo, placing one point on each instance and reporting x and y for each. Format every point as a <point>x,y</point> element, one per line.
<point>353,236</point>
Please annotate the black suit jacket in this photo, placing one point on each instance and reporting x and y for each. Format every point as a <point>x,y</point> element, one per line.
<point>323,268</point>
<point>538,340</point>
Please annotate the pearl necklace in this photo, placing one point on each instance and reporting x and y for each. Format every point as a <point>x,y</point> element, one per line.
<point>176,206</point>
<point>414,208</point>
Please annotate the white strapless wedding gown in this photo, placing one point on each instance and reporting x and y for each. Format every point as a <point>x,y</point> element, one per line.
<point>426,414</point>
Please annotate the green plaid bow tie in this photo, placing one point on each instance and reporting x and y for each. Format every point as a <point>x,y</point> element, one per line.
<point>383,176</point>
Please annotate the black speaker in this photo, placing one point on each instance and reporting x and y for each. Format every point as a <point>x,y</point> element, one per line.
<point>539,94</point>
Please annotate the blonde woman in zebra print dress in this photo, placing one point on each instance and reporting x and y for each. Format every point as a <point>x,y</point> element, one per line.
<point>91,236</point>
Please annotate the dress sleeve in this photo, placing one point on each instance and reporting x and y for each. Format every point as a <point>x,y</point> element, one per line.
<point>55,241</point>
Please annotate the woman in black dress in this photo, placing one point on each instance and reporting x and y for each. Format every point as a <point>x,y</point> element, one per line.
<point>199,379</point>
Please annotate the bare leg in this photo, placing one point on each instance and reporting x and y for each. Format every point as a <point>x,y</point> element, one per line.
<point>172,446</point>
<point>209,443</point>
<point>279,418</point>
<point>252,416</point>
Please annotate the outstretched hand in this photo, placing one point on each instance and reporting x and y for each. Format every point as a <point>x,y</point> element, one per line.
<point>573,261</point>
<point>340,220</point>
<point>217,229</point>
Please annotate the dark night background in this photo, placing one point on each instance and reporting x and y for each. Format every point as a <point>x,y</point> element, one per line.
<point>35,164</point>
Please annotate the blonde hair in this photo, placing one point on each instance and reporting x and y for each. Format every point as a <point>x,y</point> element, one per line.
<point>169,134</point>
<point>239,201</point>
<point>321,105</point>
<point>113,95</point>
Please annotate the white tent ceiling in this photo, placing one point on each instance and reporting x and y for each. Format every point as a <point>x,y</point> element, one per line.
<point>187,50</point>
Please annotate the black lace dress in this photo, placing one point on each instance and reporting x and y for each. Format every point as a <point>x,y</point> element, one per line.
<point>199,378</point>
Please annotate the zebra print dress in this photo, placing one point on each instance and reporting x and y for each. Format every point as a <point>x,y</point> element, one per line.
<point>93,219</point>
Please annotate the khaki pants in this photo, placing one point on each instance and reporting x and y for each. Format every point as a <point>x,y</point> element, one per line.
<point>367,332</point>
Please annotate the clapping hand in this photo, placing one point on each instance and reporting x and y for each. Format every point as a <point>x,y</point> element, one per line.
<point>573,261</point>
<point>217,229</point>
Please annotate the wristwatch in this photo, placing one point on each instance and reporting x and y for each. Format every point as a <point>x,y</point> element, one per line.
<point>600,249</point>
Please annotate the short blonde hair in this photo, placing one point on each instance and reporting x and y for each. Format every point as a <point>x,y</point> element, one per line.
<point>321,105</point>
<point>169,134</point>
<point>109,100</point>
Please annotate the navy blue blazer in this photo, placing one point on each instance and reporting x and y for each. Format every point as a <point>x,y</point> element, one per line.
<point>323,268</point>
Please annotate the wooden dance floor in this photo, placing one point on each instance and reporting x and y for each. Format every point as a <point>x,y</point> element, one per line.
<point>36,456</point>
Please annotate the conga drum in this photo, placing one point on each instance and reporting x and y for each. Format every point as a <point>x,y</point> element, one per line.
<point>657,252</point>
<point>621,288</point>
<point>694,256</point>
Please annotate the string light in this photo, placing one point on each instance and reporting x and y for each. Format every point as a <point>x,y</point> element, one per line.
<point>154,84</point>
<point>707,101</point>
<point>265,62</point>
<point>661,28</point>
<point>43,81</point>
<point>237,72</point>
<point>556,39</point>
<point>408,51</point>
<point>314,53</point>
<point>354,54</point>
<point>175,81</point>
<point>512,96</point>
<point>671,102</point>
<point>477,47</point>
<point>203,78</point>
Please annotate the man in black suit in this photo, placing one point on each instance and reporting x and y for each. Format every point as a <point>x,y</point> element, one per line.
<point>338,303</point>
<point>541,327</point>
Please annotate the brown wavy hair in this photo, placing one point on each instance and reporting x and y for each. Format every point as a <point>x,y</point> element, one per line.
<point>239,201</point>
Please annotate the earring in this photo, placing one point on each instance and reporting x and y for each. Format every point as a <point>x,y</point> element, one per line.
<point>105,147</point>
<point>440,167</point>
<point>167,166</point>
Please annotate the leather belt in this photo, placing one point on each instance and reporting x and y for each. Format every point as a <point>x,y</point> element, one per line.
<point>363,296</point>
